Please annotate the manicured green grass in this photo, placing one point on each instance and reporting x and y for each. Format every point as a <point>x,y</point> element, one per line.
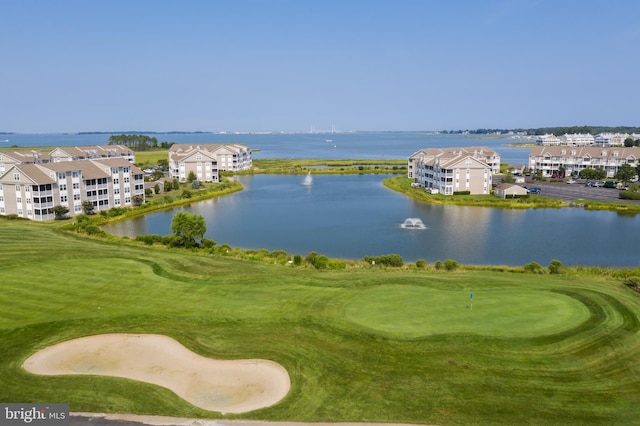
<point>360,345</point>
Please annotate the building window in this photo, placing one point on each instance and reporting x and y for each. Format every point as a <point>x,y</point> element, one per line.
<point>16,176</point>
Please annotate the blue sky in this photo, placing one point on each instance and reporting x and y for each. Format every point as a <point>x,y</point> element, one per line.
<point>270,65</point>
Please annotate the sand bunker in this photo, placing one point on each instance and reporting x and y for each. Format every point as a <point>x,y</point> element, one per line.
<point>233,386</point>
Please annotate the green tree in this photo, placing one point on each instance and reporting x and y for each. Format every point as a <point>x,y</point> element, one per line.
<point>167,186</point>
<point>156,188</point>
<point>60,212</point>
<point>626,173</point>
<point>191,227</point>
<point>176,184</point>
<point>88,208</point>
<point>592,174</point>
<point>628,143</point>
<point>192,176</point>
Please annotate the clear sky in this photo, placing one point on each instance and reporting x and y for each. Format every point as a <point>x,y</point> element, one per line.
<point>270,65</point>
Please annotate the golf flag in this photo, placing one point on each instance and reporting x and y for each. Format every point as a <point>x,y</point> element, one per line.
<point>471,296</point>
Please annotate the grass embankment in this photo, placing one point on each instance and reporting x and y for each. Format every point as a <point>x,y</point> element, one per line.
<point>317,166</point>
<point>360,345</point>
<point>403,185</point>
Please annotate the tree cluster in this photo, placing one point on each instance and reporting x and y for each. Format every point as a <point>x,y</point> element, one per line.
<point>139,142</point>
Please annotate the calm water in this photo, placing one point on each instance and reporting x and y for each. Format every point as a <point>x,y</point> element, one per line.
<point>393,146</point>
<point>354,216</point>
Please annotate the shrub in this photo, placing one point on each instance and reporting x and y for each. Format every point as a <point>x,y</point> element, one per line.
<point>461,192</point>
<point>629,195</point>
<point>93,230</point>
<point>387,260</point>
<point>207,243</point>
<point>336,264</point>
<point>438,265</point>
<point>297,260</point>
<point>311,257</point>
<point>173,240</point>
<point>186,194</point>
<point>321,262</point>
<point>450,264</point>
<point>421,263</point>
<point>147,239</point>
<point>533,268</point>
<point>278,254</point>
<point>196,184</point>
<point>555,267</point>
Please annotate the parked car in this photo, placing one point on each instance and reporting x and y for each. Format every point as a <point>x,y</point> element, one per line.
<point>609,184</point>
<point>533,190</point>
<point>571,181</point>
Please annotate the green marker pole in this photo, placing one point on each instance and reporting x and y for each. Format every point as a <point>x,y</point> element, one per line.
<point>471,298</point>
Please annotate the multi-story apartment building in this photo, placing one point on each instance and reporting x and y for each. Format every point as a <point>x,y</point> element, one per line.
<point>9,158</point>
<point>454,169</point>
<point>562,161</point>
<point>92,152</point>
<point>206,160</point>
<point>577,139</point>
<point>548,140</point>
<point>32,190</point>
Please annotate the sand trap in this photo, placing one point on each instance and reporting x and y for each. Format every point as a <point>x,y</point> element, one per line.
<point>233,386</point>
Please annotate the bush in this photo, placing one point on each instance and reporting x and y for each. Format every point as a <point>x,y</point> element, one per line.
<point>438,265</point>
<point>555,267</point>
<point>387,260</point>
<point>461,192</point>
<point>533,268</point>
<point>311,257</point>
<point>147,239</point>
<point>421,263</point>
<point>450,264</point>
<point>297,260</point>
<point>94,230</point>
<point>186,194</point>
<point>336,264</point>
<point>196,184</point>
<point>629,195</point>
<point>321,262</point>
<point>173,240</point>
<point>278,254</point>
<point>207,243</point>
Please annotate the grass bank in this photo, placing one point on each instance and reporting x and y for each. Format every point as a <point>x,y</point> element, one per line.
<point>360,345</point>
<point>317,166</point>
<point>403,185</point>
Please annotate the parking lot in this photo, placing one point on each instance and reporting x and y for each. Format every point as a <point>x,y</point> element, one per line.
<point>578,190</point>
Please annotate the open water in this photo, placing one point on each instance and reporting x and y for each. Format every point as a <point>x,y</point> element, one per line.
<point>356,216</point>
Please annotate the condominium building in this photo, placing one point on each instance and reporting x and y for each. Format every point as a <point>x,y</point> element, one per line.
<point>451,170</point>
<point>91,152</point>
<point>206,160</point>
<point>560,161</point>
<point>577,139</point>
<point>9,158</point>
<point>32,190</point>
<point>548,140</point>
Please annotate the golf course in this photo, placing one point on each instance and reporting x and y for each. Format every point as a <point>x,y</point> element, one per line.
<point>367,344</point>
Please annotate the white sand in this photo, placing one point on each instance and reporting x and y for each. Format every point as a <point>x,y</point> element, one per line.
<point>226,386</point>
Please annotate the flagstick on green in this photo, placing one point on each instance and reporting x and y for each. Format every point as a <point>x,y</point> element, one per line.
<point>471,298</point>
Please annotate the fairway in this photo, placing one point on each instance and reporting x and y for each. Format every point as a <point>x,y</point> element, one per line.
<point>412,311</point>
<point>359,345</point>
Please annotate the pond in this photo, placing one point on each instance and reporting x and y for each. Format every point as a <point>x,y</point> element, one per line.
<point>352,216</point>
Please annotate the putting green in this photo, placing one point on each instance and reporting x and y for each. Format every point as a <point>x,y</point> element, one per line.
<point>412,311</point>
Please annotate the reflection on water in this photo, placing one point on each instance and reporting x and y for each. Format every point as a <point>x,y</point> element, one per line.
<point>352,216</point>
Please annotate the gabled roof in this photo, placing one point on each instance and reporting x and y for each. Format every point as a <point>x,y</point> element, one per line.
<point>24,157</point>
<point>33,174</point>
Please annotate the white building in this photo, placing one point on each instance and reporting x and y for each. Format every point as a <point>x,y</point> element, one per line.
<point>548,140</point>
<point>560,161</point>
<point>577,139</point>
<point>454,169</point>
<point>206,160</point>
<point>32,190</point>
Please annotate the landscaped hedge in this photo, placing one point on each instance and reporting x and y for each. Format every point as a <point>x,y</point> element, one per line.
<point>629,195</point>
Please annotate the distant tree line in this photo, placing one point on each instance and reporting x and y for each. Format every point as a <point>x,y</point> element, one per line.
<point>594,130</point>
<point>139,142</point>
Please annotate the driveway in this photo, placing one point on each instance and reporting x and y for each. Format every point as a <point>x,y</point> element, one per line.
<point>578,191</point>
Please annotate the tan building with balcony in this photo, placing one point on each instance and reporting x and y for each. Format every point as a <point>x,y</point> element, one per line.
<point>206,160</point>
<point>453,170</point>
<point>32,190</point>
